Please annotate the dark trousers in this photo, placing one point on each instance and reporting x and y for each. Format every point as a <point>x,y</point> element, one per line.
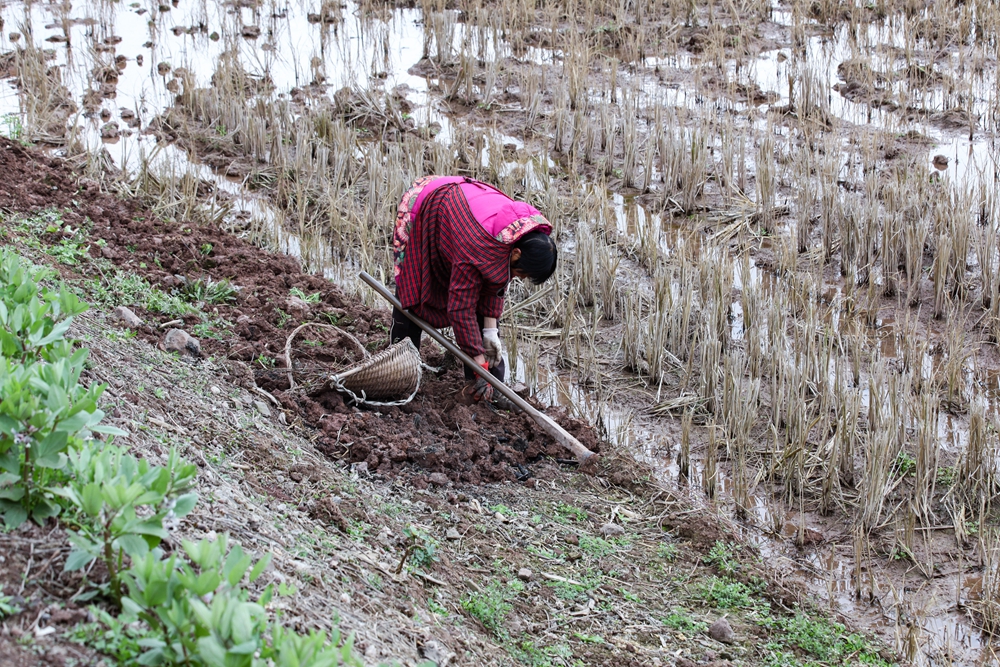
<point>402,328</point>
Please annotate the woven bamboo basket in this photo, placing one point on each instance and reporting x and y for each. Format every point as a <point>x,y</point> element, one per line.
<point>391,377</point>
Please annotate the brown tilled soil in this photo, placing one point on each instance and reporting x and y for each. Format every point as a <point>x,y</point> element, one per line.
<point>436,433</point>
<point>38,591</point>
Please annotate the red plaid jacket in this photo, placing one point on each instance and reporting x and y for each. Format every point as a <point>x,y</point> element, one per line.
<point>449,270</point>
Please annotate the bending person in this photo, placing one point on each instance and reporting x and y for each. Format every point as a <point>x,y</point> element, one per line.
<point>457,243</point>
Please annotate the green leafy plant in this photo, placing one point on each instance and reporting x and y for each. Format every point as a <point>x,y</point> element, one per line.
<point>123,503</point>
<point>128,289</point>
<point>728,594</point>
<point>668,552</point>
<point>44,411</point>
<point>723,557</point>
<point>822,639</point>
<point>491,605</point>
<point>7,606</point>
<point>13,128</point>
<point>905,463</point>
<point>566,513</point>
<point>596,547</point>
<point>198,612</point>
<point>421,549</point>
<point>34,318</point>
<point>681,620</point>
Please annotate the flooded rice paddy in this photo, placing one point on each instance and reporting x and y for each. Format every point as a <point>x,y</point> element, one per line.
<point>779,227</point>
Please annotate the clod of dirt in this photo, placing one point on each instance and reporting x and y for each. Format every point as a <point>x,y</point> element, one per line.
<point>110,130</point>
<point>326,510</point>
<point>438,479</point>
<point>701,532</point>
<point>126,315</point>
<point>721,631</point>
<point>178,340</point>
<point>250,31</point>
<point>163,69</point>
<point>940,161</point>
<point>612,530</point>
<point>524,574</point>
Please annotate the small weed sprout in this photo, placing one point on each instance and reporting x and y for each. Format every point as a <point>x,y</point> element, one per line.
<point>491,605</point>
<point>308,298</point>
<point>421,549</point>
<point>723,557</point>
<point>7,606</point>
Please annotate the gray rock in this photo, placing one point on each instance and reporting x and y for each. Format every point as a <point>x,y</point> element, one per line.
<point>524,574</point>
<point>612,530</point>
<point>178,340</point>
<point>296,305</point>
<point>126,315</point>
<point>721,631</point>
<point>437,653</point>
<point>438,478</point>
<point>453,534</point>
<point>262,408</point>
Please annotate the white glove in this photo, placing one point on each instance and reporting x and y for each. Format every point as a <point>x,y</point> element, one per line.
<point>492,347</point>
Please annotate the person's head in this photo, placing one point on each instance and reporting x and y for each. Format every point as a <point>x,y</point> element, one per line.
<point>534,257</point>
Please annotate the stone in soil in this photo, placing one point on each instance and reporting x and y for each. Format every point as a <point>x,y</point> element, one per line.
<point>178,340</point>
<point>524,574</point>
<point>612,530</point>
<point>453,534</point>
<point>130,319</point>
<point>721,631</point>
<point>262,408</point>
<point>437,653</point>
<point>438,479</point>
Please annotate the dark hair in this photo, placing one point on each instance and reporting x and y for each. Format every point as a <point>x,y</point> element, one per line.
<point>538,256</point>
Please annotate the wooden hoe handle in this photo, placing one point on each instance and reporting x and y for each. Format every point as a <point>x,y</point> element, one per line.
<point>543,420</point>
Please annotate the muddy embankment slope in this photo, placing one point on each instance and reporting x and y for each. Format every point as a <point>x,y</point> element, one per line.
<point>433,531</point>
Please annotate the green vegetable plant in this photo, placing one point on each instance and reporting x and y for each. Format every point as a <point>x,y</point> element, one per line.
<point>44,414</point>
<point>33,319</point>
<point>197,611</point>
<point>123,504</point>
<point>44,411</point>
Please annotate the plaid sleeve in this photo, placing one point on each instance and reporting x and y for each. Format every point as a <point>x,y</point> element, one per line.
<point>463,297</point>
<point>490,304</point>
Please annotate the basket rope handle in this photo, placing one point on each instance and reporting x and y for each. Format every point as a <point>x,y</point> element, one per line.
<point>288,346</point>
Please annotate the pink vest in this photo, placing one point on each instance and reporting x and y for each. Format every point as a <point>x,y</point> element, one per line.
<point>494,210</point>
